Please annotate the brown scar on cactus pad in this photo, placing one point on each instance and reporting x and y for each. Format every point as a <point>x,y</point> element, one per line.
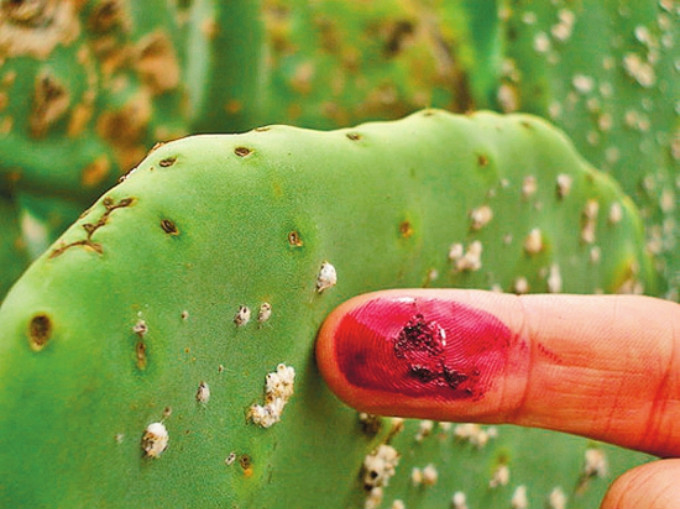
<point>39,331</point>
<point>91,228</point>
<point>169,227</point>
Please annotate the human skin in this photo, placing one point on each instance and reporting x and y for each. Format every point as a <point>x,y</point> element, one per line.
<point>605,367</point>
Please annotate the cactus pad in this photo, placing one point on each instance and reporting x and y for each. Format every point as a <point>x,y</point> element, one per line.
<point>160,353</point>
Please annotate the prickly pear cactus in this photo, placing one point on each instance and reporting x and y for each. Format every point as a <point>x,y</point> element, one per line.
<point>160,353</point>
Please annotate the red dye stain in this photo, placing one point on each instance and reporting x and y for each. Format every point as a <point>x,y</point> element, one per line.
<point>422,347</point>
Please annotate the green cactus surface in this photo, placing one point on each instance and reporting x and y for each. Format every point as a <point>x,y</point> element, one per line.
<point>141,354</point>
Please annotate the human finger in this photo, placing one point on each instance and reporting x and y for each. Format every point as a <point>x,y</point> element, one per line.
<point>606,367</point>
<point>649,486</point>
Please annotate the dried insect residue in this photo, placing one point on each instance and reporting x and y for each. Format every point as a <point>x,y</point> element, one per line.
<point>557,499</point>
<point>427,476</point>
<point>155,440</point>
<point>529,186</point>
<point>595,465</point>
<point>564,183</point>
<point>265,312</point>
<point>466,260</point>
<point>459,500</point>
<point>554,279</point>
<point>278,390</point>
<point>430,475</point>
<point>589,221</point>
<point>533,243</point>
<point>480,217</point>
<point>242,316</point>
<point>474,434</point>
<point>326,278</point>
<point>378,468</point>
<point>425,428</point>
<point>500,476</point>
<point>520,285</point>
<point>519,498</point>
<point>203,393</point>
<point>371,424</point>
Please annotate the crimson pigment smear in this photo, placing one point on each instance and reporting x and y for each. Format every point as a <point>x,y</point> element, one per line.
<point>418,346</point>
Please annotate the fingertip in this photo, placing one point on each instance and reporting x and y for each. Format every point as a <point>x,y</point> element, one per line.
<point>649,486</point>
<point>414,353</point>
<point>325,349</point>
<point>597,366</point>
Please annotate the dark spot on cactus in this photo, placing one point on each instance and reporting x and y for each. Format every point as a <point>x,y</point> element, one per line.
<point>89,228</point>
<point>398,34</point>
<point>34,28</point>
<point>95,172</point>
<point>140,354</point>
<point>157,63</point>
<point>405,229</point>
<point>353,136</point>
<point>262,129</point>
<point>105,16</point>
<point>50,102</point>
<point>126,128</point>
<point>168,161</point>
<point>22,11</point>
<point>39,331</point>
<point>482,160</point>
<point>294,239</point>
<point>370,424</point>
<point>125,202</point>
<point>242,151</point>
<point>526,124</point>
<point>169,227</point>
<point>246,463</point>
<point>234,106</point>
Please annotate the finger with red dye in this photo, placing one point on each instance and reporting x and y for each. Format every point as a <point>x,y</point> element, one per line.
<point>605,367</point>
